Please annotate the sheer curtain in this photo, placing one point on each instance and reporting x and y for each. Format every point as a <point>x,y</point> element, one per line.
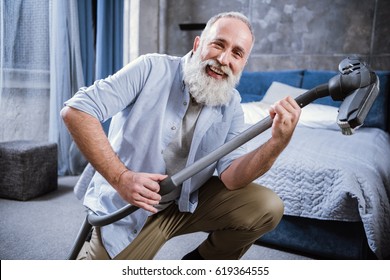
<point>24,70</point>
<point>1,46</point>
<point>48,50</point>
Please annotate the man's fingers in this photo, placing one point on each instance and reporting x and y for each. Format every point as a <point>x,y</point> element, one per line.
<point>152,182</point>
<point>286,109</point>
<point>144,191</point>
<point>147,207</point>
<point>150,195</point>
<point>146,203</point>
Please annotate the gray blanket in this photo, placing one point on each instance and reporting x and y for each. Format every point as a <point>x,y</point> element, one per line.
<point>325,175</point>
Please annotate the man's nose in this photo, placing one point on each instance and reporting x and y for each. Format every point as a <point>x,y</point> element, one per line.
<point>223,58</point>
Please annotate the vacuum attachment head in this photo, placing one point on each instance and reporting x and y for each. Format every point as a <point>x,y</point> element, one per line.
<point>357,86</point>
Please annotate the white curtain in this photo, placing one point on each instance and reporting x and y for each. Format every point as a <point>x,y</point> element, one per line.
<point>1,46</point>
<point>41,66</point>
<point>24,69</point>
<point>66,77</point>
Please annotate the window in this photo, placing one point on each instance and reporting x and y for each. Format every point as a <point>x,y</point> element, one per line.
<point>25,73</point>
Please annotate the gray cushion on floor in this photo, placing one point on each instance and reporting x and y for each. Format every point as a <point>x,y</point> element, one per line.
<point>27,169</point>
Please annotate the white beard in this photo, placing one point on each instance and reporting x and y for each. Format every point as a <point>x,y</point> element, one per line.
<point>205,89</point>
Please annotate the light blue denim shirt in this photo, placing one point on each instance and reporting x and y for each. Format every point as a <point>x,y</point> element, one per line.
<point>147,100</point>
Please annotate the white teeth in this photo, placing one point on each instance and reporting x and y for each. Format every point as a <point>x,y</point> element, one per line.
<point>216,70</point>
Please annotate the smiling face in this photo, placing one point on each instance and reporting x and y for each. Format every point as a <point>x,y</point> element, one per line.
<point>218,59</point>
<point>228,42</point>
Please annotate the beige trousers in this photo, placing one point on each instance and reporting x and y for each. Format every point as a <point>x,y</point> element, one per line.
<point>234,220</point>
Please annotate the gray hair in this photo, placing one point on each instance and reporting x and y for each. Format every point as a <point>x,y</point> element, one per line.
<point>235,15</point>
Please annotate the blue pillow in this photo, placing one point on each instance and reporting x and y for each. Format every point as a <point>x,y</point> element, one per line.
<point>313,78</point>
<point>253,85</point>
<point>378,116</point>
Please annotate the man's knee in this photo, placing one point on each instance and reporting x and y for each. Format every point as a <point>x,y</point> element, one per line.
<point>264,208</point>
<point>274,208</point>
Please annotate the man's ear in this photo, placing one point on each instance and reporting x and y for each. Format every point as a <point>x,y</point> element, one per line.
<point>196,43</point>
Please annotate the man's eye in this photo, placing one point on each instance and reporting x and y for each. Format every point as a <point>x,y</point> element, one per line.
<point>238,54</point>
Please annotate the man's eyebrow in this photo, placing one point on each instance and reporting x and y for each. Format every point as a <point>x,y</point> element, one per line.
<point>219,40</point>
<point>236,47</point>
<point>240,49</point>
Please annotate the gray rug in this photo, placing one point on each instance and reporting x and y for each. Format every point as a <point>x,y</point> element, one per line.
<point>44,228</point>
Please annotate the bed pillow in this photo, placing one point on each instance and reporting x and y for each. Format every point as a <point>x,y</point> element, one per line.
<point>313,115</point>
<point>279,91</point>
<point>253,85</point>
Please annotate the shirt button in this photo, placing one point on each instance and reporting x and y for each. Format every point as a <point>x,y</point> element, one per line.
<point>135,231</point>
<point>185,103</point>
<point>173,127</point>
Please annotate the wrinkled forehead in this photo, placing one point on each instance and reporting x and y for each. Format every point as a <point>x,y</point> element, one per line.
<point>232,30</point>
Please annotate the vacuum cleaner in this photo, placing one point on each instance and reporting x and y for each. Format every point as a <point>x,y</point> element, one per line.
<point>356,86</point>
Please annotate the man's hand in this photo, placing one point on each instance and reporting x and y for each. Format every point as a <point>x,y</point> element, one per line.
<point>243,170</point>
<point>141,189</point>
<point>285,114</point>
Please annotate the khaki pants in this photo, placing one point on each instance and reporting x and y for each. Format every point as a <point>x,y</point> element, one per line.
<point>234,220</point>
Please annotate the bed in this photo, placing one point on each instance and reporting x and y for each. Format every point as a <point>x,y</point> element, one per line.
<point>335,188</point>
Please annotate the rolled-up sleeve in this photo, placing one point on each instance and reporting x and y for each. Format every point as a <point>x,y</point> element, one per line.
<point>108,96</point>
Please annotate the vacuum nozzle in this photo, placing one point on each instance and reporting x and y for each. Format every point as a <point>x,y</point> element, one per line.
<point>357,86</point>
<point>346,129</point>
